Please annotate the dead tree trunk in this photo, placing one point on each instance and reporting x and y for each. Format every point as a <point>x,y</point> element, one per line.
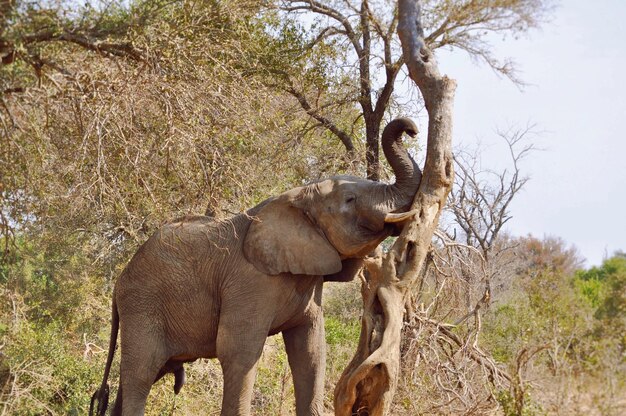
<point>368,384</point>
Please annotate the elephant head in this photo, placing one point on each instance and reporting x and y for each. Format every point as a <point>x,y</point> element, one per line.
<point>313,228</point>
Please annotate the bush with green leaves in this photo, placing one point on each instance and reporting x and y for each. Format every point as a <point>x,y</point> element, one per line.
<point>49,370</point>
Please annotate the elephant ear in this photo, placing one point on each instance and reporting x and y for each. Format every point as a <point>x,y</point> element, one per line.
<point>281,239</point>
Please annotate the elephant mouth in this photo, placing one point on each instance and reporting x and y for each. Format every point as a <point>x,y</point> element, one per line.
<point>396,221</point>
<point>388,229</point>
<point>379,235</point>
<point>395,229</point>
<point>373,238</point>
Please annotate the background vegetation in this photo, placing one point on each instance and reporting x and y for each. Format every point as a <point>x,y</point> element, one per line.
<point>117,116</point>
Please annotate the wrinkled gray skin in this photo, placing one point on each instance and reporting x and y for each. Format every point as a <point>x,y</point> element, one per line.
<point>200,288</point>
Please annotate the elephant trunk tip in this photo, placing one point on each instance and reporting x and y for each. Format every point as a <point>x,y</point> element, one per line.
<point>393,131</point>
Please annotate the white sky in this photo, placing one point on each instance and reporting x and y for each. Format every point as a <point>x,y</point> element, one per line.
<point>575,67</point>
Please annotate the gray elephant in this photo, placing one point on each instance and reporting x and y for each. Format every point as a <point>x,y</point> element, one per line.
<point>200,288</point>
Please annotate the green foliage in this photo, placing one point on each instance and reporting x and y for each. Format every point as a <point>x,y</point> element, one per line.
<point>590,288</point>
<point>47,368</point>
<point>547,310</point>
<point>607,285</point>
<point>572,317</point>
<point>507,329</point>
<point>55,285</point>
<point>605,289</point>
<point>508,405</point>
<point>341,333</point>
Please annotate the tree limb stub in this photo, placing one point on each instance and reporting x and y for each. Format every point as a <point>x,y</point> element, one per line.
<point>368,383</point>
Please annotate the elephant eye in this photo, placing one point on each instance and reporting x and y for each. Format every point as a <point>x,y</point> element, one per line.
<point>350,199</point>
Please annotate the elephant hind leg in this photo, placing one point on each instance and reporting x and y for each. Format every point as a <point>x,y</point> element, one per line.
<point>135,387</point>
<point>117,408</point>
<point>139,368</point>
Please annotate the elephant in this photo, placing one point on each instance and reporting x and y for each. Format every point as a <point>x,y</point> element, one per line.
<point>203,288</point>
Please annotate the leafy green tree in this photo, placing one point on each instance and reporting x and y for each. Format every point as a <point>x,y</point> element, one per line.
<point>605,289</point>
<point>560,313</point>
<point>97,150</point>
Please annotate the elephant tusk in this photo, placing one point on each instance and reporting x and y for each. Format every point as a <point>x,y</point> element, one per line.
<point>402,216</point>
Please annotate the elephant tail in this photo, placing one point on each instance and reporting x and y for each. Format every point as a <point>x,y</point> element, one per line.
<point>101,396</point>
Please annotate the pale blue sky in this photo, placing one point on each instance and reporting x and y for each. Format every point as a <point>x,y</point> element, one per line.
<point>575,67</point>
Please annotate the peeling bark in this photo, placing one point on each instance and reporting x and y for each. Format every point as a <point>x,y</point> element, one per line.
<point>368,384</point>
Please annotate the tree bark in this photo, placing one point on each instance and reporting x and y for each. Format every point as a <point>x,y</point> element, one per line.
<point>372,153</point>
<point>368,384</point>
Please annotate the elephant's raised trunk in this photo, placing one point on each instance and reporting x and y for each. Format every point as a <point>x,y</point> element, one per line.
<point>399,195</point>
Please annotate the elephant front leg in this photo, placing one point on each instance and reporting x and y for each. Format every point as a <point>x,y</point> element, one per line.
<point>306,350</point>
<point>238,354</point>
